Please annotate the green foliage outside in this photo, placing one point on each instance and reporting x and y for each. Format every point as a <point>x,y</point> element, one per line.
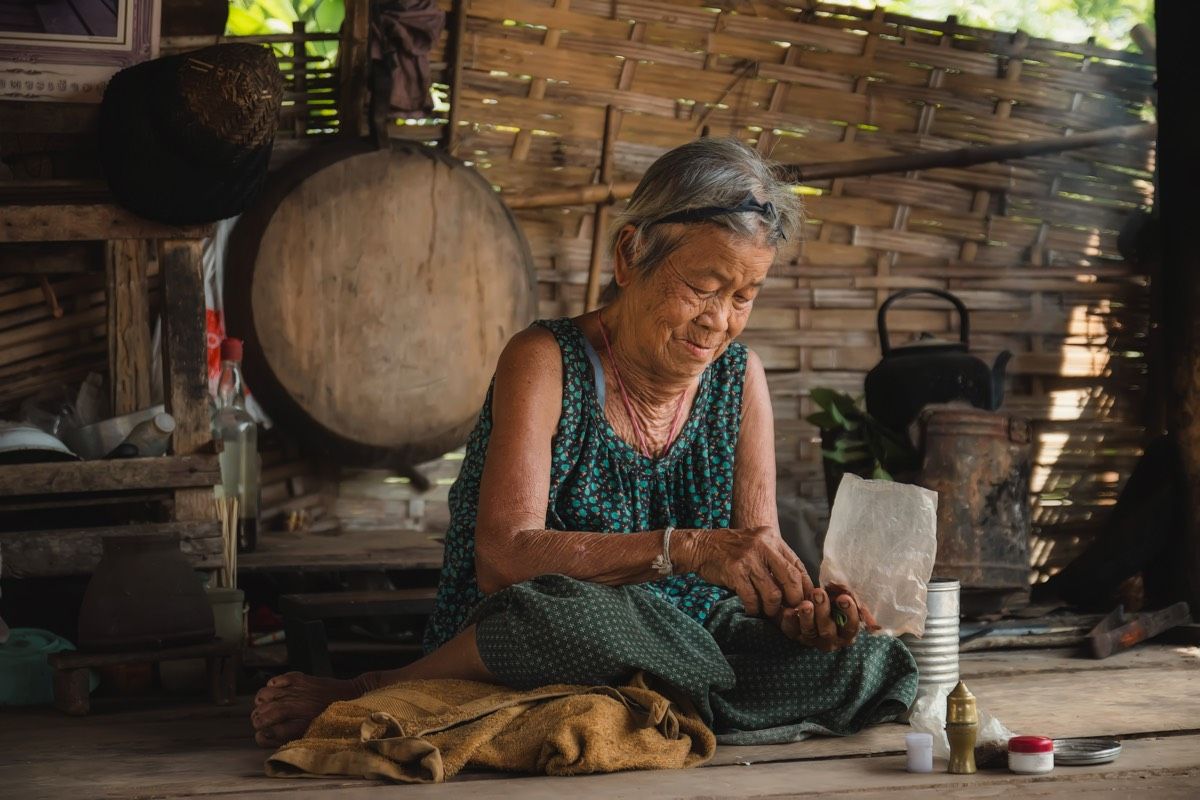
<point>1062,20</point>
<point>259,17</point>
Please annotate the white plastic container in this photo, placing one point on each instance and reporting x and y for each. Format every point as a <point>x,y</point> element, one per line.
<point>920,752</point>
<point>1030,755</point>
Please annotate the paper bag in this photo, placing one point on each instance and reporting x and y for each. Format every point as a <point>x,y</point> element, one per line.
<point>881,545</point>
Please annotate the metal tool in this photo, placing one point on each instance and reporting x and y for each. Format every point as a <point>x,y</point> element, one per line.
<point>1119,631</point>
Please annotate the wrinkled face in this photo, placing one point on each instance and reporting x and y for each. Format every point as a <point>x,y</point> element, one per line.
<point>689,308</point>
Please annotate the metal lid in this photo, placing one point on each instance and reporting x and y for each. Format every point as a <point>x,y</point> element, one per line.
<point>1084,752</point>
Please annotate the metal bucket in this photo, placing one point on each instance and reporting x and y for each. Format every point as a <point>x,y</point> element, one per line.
<point>979,463</point>
<point>936,652</point>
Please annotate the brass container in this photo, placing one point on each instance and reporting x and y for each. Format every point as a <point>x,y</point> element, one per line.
<point>962,728</point>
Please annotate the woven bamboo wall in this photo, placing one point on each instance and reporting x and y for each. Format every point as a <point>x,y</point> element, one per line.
<point>1029,246</point>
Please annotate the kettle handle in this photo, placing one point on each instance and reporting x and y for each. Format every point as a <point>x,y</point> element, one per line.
<point>964,331</point>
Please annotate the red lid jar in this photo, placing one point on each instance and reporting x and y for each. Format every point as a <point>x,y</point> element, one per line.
<point>1030,755</point>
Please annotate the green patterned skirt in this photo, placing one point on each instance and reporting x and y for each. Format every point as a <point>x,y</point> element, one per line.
<point>748,681</point>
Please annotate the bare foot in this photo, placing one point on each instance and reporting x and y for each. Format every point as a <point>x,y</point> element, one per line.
<point>284,708</point>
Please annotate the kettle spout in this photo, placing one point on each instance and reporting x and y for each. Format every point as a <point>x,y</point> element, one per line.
<point>998,369</point>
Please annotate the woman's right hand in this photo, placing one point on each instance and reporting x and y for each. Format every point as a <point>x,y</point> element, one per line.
<point>753,562</point>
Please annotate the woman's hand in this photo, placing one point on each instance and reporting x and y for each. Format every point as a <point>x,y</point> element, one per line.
<point>753,562</point>
<point>815,621</point>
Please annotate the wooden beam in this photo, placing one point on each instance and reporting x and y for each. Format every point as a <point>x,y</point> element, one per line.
<point>76,551</point>
<point>612,124</point>
<point>27,480</point>
<point>129,355</point>
<point>76,222</point>
<point>457,38</point>
<point>185,363</point>
<point>354,69</point>
<point>46,259</point>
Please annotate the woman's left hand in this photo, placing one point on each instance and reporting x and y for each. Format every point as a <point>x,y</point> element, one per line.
<point>814,621</point>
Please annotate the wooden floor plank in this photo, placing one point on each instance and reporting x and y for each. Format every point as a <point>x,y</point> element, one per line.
<point>189,749</point>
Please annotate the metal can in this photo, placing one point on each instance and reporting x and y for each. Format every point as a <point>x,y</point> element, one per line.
<point>936,652</point>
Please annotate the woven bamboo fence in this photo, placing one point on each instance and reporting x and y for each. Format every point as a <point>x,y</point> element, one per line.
<point>1030,245</point>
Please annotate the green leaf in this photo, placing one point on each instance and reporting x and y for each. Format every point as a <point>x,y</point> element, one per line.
<point>822,397</point>
<point>846,456</point>
<point>881,474</point>
<point>846,406</point>
<point>244,23</point>
<point>327,15</point>
<point>823,420</point>
<point>279,9</point>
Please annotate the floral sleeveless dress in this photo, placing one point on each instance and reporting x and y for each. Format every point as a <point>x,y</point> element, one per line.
<point>747,681</point>
<point>599,482</point>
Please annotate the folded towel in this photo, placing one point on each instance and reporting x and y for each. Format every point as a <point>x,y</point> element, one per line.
<point>429,731</point>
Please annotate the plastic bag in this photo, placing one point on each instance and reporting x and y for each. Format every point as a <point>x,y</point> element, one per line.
<point>881,545</point>
<point>929,715</point>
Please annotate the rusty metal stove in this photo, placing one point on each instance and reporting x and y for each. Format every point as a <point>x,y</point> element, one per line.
<point>979,463</point>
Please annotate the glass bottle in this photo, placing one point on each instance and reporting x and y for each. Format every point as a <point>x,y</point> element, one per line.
<point>237,432</point>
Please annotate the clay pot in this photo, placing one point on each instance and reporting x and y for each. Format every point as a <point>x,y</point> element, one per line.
<point>143,595</point>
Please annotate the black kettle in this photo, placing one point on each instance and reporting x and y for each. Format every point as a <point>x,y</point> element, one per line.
<point>912,376</point>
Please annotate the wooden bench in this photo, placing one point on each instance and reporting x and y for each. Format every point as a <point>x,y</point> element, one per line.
<point>71,694</point>
<point>304,618</point>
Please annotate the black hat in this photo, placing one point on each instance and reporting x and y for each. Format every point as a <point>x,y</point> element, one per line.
<point>187,139</point>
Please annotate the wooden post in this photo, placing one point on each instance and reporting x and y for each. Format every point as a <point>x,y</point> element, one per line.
<point>1178,174</point>
<point>354,68</point>
<point>457,41</point>
<point>612,124</point>
<point>129,365</point>
<point>185,363</point>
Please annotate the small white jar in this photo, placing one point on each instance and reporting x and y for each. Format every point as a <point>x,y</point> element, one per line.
<point>920,751</point>
<point>1030,755</point>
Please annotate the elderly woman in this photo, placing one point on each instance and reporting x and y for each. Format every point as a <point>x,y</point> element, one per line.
<point>616,508</point>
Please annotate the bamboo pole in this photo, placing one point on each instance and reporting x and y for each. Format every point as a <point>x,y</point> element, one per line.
<point>803,173</point>
<point>574,196</point>
<point>612,123</point>
<point>963,157</point>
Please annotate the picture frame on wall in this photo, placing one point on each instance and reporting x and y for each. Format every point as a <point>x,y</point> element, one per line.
<point>66,50</point>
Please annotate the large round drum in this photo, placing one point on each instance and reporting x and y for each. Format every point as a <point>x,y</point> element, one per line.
<point>375,290</point>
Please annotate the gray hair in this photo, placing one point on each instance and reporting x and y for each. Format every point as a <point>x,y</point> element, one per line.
<point>704,173</point>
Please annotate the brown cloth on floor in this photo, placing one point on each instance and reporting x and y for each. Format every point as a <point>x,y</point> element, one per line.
<point>429,731</point>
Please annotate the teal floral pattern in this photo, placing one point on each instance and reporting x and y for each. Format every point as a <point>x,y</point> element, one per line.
<point>599,482</point>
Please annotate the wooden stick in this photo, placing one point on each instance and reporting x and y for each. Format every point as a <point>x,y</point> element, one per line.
<point>1145,39</point>
<point>612,123</point>
<point>457,41</point>
<point>802,173</point>
<point>51,298</point>
<point>574,196</point>
<point>963,157</point>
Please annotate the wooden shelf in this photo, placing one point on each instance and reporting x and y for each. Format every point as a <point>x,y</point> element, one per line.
<point>76,551</point>
<point>84,221</point>
<point>74,477</point>
<point>66,211</point>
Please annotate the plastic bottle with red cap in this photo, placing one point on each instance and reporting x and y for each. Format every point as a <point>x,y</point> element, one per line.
<point>1030,755</point>
<point>237,432</point>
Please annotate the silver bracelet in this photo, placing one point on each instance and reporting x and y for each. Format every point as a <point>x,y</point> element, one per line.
<point>662,563</point>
